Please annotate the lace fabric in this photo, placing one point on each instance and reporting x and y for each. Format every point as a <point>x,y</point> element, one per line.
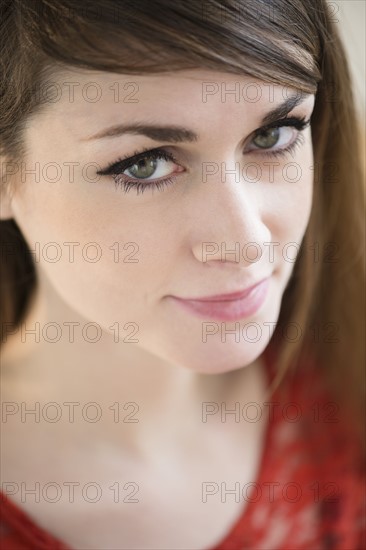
<point>310,492</point>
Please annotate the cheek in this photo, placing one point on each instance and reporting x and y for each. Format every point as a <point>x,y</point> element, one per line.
<point>106,260</point>
<point>288,201</point>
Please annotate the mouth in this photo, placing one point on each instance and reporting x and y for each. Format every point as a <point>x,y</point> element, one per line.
<point>228,307</point>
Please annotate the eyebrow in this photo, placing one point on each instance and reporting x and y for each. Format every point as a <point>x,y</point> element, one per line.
<point>178,134</point>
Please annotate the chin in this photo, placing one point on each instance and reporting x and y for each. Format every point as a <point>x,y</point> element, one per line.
<point>213,356</point>
<point>229,359</point>
<point>214,347</point>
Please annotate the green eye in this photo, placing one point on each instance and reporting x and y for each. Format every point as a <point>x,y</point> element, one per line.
<point>267,138</point>
<point>143,168</point>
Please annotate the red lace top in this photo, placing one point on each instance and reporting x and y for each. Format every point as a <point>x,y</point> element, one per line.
<point>309,492</point>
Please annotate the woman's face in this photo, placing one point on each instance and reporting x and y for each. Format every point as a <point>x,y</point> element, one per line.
<point>234,212</point>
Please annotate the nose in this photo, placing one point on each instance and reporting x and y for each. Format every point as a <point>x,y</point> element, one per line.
<point>230,227</point>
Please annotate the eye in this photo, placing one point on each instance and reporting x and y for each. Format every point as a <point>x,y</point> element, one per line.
<point>150,167</point>
<point>280,138</point>
<point>157,166</point>
<point>273,136</point>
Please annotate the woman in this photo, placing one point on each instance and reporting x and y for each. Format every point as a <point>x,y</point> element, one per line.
<point>182,257</point>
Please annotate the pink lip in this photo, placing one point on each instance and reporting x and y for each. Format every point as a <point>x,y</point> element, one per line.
<point>228,307</point>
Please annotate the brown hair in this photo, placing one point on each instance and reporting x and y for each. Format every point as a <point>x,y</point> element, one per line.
<point>292,43</point>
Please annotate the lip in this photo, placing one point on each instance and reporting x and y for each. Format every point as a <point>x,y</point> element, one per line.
<point>224,297</point>
<point>228,307</point>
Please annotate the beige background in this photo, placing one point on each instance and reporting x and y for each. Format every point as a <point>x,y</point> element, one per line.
<point>351,16</point>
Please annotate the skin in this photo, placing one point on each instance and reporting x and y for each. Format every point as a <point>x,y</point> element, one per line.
<point>170,371</point>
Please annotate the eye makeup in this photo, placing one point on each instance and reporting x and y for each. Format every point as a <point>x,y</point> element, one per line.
<point>118,168</point>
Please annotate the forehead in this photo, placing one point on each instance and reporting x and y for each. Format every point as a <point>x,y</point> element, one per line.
<point>215,106</point>
<point>89,95</point>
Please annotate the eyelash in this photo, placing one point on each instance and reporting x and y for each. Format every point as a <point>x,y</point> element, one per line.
<point>117,168</point>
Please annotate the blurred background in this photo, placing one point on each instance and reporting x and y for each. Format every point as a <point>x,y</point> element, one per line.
<point>351,17</point>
